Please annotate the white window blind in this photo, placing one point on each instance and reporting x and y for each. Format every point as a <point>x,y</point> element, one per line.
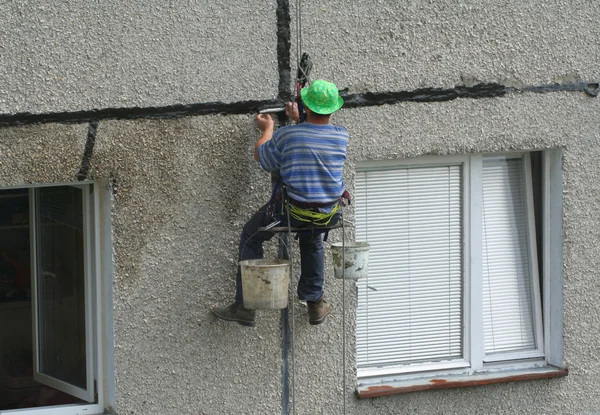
<point>410,305</point>
<point>507,300</point>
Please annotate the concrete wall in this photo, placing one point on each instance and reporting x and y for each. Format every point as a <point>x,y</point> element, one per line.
<point>385,44</point>
<point>67,55</point>
<point>184,187</point>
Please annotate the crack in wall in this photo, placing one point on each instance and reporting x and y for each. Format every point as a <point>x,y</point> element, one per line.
<point>591,89</point>
<point>82,174</point>
<point>283,50</point>
<point>352,100</point>
<point>131,113</point>
<point>424,95</point>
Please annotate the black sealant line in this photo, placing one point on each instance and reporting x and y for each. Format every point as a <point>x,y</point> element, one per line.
<point>285,347</point>
<point>423,95</point>
<point>283,50</point>
<point>132,113</point>
<point>489,90</point>
<point>88,151</point>
<point>284,95</point>
<point>351,100</point>
<point>591,89</point>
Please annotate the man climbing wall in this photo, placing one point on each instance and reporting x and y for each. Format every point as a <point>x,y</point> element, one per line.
<point>310,157</point>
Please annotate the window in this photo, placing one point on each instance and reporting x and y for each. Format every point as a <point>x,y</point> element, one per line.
<point>462,278</point>
<point>51,293</point>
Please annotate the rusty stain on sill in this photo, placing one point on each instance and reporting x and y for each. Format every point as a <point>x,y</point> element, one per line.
<point>384,390</point>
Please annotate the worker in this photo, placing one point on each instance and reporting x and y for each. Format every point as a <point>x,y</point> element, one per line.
<point>310,158</point>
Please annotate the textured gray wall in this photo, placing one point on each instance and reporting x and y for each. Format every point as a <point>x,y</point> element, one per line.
<point>391,45</point>
<point>183,190</point>
<point>517,122</point>
<point>41,153</point>
<point>68,55</point>
<point>65,56</point>
<point>184,187</point>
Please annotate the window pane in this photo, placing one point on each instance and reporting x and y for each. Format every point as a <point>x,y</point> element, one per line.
<point>61,300</point>
<point>507,301</point>
<point>410,305</point>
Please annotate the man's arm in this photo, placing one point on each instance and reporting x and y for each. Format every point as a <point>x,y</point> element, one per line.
<point>264,123</point>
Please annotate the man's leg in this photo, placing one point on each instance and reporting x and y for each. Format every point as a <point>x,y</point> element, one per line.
<point>312,276</point>
<point>312,257</point>
<point>250,248</point>
<point>312,266</point>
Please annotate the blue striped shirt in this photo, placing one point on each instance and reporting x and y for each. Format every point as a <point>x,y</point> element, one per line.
<point>310,158</point>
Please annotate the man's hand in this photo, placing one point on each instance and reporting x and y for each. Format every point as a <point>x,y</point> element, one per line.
<point>264,122</point>
<point>292,108</point>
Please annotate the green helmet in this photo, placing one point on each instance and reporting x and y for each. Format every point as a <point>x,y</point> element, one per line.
<point>322,97</point>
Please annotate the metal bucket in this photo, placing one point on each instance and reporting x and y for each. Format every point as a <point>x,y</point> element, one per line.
<point>355,257</point>
<point>265,283</point>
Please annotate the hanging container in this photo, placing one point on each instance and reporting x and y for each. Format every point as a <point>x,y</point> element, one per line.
<point>355,257</point>
<point>265,283</point>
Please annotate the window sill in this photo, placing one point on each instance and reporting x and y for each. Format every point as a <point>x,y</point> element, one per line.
<point>457,381</point>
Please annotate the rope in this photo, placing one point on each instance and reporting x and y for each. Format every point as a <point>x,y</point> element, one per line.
<point>291,302</point>
<point>310,216</point>
<point>298,32</point>
<point>285,202</point>
<point>323,219</point>
<point>343,312</point>
<point>294,87</point>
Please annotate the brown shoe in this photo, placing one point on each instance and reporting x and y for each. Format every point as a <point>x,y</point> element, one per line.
<point>318,311</point>
<point>236,312</point>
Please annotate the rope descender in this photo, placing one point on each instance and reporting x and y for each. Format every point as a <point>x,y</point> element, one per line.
<point>302,78</point>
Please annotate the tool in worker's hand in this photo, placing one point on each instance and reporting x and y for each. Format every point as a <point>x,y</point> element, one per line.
<point>272,110</point>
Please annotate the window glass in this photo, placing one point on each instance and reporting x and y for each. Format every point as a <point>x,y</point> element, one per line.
<point>61,299</point>
<point>507,300</point>
<point>410,305</point>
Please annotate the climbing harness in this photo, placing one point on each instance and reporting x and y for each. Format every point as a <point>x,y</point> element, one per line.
<point>311,216</point>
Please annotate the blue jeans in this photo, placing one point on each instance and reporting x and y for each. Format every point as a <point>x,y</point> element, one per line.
<point>312,261</point>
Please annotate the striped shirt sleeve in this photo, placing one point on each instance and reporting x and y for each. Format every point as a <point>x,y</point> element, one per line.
<point>269,154</point>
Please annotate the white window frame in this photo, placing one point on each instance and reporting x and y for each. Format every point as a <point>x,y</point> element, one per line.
<point>100,279</point>
<point>533,262</point>
<point>547,322</point>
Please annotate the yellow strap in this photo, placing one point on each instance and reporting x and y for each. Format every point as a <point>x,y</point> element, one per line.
<point>316,218</point>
